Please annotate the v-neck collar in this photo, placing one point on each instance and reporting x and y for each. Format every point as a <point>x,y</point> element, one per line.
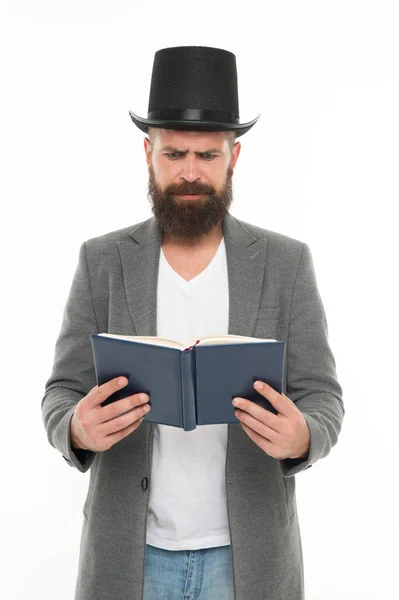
<point>198,278</point>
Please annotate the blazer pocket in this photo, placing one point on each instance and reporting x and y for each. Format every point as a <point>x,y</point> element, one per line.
<point>267,322</point>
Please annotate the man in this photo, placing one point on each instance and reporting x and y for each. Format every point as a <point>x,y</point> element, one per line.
<point>208,514</point>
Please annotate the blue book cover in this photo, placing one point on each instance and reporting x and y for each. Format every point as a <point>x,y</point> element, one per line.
<point>194,385</point>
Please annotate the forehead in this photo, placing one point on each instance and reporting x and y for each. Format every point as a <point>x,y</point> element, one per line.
<point>190,139</point>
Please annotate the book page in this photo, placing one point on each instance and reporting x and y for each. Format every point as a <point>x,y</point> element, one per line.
<point>205,339</point>
<point>147,339</point>
<point>229,339</point>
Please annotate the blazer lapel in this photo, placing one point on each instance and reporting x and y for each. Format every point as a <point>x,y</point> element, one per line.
<point>246,258</point>
<point>140,260</point>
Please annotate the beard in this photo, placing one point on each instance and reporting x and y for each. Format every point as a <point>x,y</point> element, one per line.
<point>185,218</point>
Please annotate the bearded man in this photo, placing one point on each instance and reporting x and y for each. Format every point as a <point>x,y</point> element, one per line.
<point>208,514</point>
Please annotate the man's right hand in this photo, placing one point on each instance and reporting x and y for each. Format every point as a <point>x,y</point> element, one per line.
<point>97,428</point>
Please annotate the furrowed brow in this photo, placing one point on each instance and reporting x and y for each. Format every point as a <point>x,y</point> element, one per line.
<point>172,149</point>
<point>211,151</point>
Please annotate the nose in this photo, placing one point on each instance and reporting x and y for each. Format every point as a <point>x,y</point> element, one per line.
<point>189,168</point>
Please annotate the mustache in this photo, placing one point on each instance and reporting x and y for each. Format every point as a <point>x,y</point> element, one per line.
<point>189,188</point>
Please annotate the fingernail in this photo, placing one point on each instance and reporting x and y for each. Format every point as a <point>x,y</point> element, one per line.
<point>258,385</point>
<point>122,380</point>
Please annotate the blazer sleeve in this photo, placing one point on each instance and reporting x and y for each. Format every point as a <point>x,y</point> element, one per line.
<point>311,375</point>
<point>73,373</point>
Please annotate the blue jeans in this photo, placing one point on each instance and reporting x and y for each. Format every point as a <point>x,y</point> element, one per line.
<point>205,574</point>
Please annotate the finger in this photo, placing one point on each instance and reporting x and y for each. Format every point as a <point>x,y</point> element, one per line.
<point>122,421</point>
<point>98,394</point>
<point>281,403</point>
<point>110,440</point>
<point>259,440</point>
<point>256,425</point>
<point>119,407</point>
<point>259,413</point>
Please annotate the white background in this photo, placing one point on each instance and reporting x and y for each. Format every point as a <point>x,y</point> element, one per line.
<point>321,165</point>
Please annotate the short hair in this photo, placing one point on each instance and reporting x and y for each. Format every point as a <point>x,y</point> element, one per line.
<point>229,135</point>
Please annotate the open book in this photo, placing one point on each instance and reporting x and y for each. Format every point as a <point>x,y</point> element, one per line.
<point>194,385</point>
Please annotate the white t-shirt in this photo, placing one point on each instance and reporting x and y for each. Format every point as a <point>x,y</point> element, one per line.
<point>187,503</point>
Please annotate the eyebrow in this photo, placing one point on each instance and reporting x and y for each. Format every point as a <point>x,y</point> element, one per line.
<point>172,149</point>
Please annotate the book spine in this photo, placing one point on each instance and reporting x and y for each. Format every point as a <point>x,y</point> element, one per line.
<point>188,389</point>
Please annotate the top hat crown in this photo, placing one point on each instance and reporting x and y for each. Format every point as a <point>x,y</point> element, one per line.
<point>194,88</point>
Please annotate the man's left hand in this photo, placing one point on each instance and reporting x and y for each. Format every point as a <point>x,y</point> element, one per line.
<point>285,435</point>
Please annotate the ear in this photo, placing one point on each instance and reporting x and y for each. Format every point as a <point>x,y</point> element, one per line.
<point>147,150</point>
<point>235,153</point>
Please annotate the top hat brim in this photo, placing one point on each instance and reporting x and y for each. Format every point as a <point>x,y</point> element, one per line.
<point>192,125</point>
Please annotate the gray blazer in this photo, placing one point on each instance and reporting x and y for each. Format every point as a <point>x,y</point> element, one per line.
<point>273,294</point>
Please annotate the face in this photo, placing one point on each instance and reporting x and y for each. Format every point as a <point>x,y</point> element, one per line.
<point>190,180</point>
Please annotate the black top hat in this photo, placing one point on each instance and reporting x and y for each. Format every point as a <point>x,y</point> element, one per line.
<point>194,87</point>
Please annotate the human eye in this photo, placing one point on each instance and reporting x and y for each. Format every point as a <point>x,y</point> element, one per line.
<point>208,156</point>
<point>173,155</point>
